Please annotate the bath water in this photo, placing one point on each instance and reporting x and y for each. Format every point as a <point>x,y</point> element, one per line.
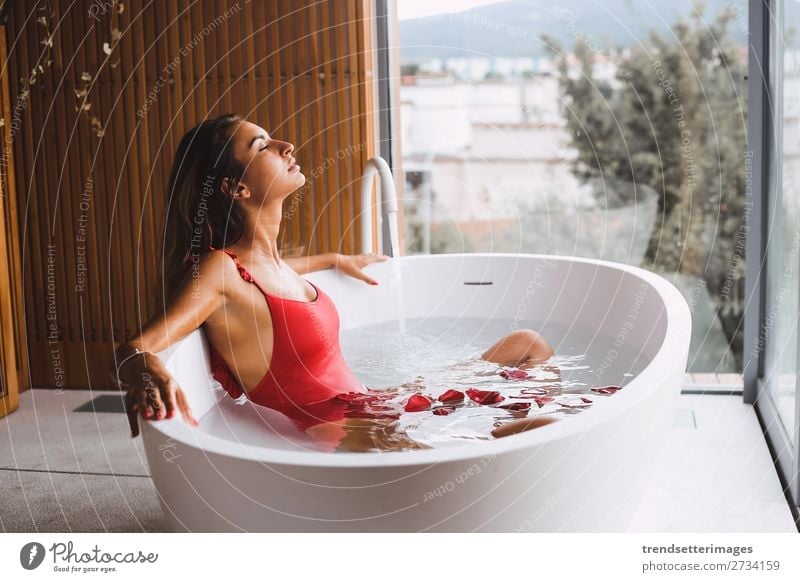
<point>434,355</point>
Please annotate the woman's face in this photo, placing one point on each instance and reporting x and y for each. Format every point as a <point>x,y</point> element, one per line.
<point>270,168</point>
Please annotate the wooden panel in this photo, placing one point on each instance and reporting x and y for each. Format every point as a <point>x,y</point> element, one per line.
<point>13,349</point>
<point>304,72</point>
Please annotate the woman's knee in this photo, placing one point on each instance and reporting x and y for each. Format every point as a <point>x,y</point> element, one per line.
<point>523,345</point>
<point>533,341</point>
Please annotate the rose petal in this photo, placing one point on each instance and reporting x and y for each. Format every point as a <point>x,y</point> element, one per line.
<point>606,389</point>
<point>451,396</point>
<point>542,400</point>
<point>484,396</point>
<point>444,410</point>
<point>586,400</point>
<point>357,397</point>
<point>417,403</point>
<point>515,374</point>
<point>516,406</point>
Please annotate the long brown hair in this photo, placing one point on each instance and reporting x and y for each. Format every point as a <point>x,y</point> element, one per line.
<point>197,212</point>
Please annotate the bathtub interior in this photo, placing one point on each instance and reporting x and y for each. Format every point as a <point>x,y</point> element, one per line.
<point>558,292</point>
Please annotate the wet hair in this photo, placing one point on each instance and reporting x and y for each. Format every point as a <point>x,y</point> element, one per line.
<point>198,213</point>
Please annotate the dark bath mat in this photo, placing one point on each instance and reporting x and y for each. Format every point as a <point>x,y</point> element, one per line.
<point>104,403</point>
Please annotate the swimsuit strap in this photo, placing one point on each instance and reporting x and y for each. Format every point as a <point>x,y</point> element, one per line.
<point>245,274</point>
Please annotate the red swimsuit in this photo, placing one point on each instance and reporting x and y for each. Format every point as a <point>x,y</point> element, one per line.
<point>307,372</point>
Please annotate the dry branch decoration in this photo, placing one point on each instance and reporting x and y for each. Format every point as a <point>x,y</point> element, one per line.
<point>82,94</point>
<point>45,57</point>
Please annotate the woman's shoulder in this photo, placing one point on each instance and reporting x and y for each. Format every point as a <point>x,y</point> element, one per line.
<point>212,265</point>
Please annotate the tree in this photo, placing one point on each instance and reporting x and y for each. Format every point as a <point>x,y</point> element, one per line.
<point>673,118</point>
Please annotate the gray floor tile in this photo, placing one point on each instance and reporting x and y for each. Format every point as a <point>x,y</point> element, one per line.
<point>45,434</point>
<point>63,502</point>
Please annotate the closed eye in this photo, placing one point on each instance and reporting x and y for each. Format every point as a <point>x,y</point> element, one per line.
<point>265,147</point>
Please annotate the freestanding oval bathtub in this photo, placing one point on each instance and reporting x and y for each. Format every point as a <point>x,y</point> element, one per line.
<point>585,474</point>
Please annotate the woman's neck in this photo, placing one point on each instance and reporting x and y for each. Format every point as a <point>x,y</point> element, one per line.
<point>261,232</point>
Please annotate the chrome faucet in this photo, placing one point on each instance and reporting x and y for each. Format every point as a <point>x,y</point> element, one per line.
<point>388,197</point>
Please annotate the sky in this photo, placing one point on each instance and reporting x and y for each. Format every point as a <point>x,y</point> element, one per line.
<point>416,8</point>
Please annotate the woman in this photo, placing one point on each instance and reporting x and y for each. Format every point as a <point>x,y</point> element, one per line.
<point>222,270</point>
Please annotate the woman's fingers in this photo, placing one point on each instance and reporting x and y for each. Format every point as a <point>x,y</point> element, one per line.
<point>154,398</point>
<point>186,411</point>
<point>364,277</point>
<point>352,265</point>
<point>371,258</point>
<point>157,401</point>
<point>142,406</point>
<point>170,398</point>
<point>132,409</point>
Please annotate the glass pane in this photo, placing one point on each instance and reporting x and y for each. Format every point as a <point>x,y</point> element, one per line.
<point>784,230</point>
<point>618,135</point>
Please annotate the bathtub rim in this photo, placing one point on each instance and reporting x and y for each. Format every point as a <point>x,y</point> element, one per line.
<point>676,339</point>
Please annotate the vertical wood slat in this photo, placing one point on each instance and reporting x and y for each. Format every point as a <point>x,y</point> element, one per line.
<point>294,94</point>
<point>290,68</point>
<point>136,51</point>
<point>331,174</point>
<point>23,156</point>
<point>350,113</point>
<point>80,133</point>
<point>343,115</point>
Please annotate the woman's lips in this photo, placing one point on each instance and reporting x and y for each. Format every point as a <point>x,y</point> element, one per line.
<point>294,166</point>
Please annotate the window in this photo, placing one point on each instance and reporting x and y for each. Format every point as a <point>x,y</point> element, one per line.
<point>609,130</point>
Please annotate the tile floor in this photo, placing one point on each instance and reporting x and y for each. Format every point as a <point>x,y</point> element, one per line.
<point>62,470</point>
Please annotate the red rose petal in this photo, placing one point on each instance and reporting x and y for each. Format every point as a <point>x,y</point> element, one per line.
<point>542,400</point>
<point>516,374</point>
<point>516,406</point>
<point>444,410</point>
<point>484,396</point>
<point>606,389</point>
<point>586,400</point>
<point>417,403</point>
<point>357,397</point>
<point>451,396</point>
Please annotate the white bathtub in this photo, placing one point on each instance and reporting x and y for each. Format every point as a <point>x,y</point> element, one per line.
<point>586,473</point>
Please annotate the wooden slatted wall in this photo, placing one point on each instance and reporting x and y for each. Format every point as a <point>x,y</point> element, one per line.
<point>13,359</point>
<point>103,121</point>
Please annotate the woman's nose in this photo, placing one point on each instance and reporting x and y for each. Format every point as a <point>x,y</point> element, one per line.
<point>287,148</point>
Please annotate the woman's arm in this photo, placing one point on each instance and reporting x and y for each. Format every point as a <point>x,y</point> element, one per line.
<point>347,264</point>
<point>311,263</point>
<point>201,295</point>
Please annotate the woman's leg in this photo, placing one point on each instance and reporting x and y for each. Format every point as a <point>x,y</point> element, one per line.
<point>358,435</point>
<point>516,426</point>
<point>522,348</point>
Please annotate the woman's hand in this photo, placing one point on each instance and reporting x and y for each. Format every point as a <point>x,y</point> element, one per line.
<point>352,265</point>
<point>152,392</point>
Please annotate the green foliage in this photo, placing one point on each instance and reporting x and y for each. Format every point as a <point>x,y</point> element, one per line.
<point>674,119</point>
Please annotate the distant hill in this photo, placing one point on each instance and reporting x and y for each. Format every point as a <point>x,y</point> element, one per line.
<point>514,28</point>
